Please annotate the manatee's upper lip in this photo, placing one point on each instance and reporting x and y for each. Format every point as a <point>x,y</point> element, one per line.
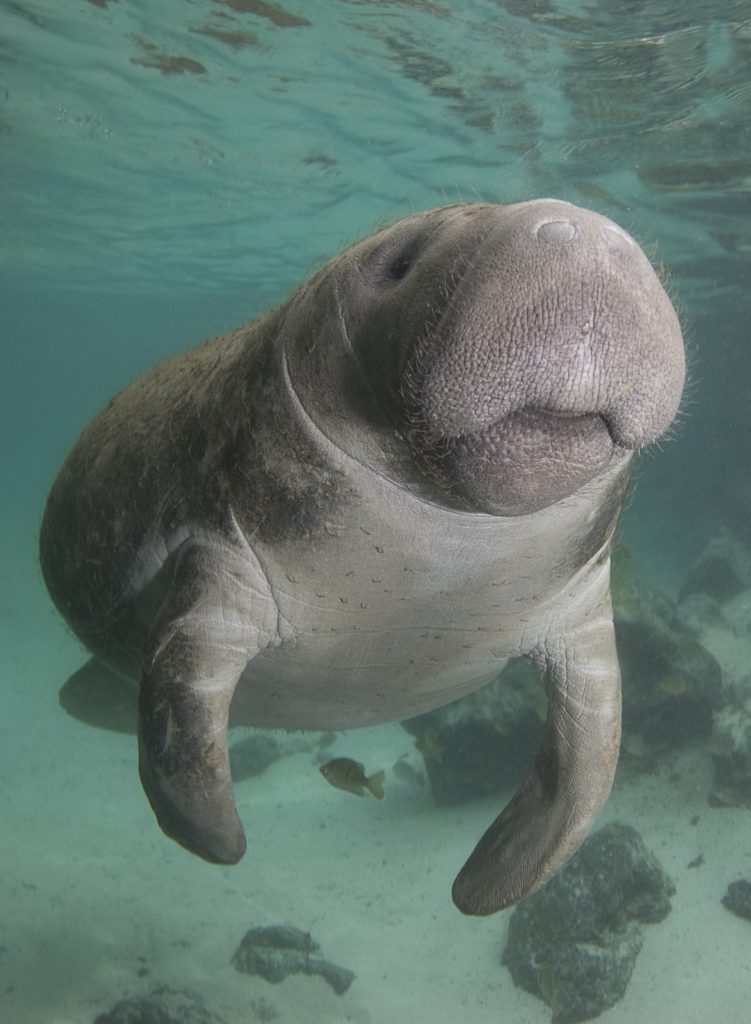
<point>594,419</point>
<point>563,414</point>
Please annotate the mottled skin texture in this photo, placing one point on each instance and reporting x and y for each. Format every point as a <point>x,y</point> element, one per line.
<point>361,506</point>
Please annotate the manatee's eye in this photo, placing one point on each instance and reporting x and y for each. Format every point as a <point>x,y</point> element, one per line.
<point>400,267</point>
<point>394,259</point>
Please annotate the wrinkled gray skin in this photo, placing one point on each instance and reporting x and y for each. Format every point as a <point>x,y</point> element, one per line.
<point>359,507</point>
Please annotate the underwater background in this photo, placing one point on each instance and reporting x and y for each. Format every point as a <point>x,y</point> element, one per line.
<point>171,170</point>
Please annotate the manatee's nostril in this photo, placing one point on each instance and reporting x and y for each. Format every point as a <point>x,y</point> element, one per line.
<point>556,231</point>
<point>617,240</point>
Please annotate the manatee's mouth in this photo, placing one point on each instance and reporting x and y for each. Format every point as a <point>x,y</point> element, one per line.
<point>588,426</point>
<point>592,420</point>
<point>523,462</point>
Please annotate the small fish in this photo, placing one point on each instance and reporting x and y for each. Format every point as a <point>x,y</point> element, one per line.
<point>344,773</point>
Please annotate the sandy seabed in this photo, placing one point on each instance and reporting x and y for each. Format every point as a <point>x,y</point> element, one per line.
<point>98,905</point>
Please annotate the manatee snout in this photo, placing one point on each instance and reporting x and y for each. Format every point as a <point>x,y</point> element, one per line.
<point>557,345</point>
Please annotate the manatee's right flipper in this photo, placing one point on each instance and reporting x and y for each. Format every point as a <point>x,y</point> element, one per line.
<point>206,632</point>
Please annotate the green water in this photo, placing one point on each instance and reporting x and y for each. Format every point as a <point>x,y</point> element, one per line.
<point>171,169</point>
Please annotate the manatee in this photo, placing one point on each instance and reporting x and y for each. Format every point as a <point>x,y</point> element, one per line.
<point>360,506</point>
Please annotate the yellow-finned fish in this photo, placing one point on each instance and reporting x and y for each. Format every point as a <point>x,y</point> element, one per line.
<point>344,773</point>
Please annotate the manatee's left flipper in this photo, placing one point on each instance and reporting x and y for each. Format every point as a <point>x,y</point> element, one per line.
<point>214,619</point>
<point>557,802</point>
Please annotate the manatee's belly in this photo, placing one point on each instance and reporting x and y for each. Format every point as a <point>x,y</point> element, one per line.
<point>382,652</point>
<point>349,681</point>
<point>380,624</point>
<point>389,630</point>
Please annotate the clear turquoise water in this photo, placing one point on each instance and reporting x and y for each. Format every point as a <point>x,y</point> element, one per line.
<point>169,170</point>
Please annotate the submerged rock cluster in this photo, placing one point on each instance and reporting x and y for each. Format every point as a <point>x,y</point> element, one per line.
<point>574,944</point>
<point>716,602</point>
<point>737,899</point>
<point>163,1006</point>
<point>279,950</point>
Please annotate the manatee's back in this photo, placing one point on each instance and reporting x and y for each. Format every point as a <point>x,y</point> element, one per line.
<point>124,483</point>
